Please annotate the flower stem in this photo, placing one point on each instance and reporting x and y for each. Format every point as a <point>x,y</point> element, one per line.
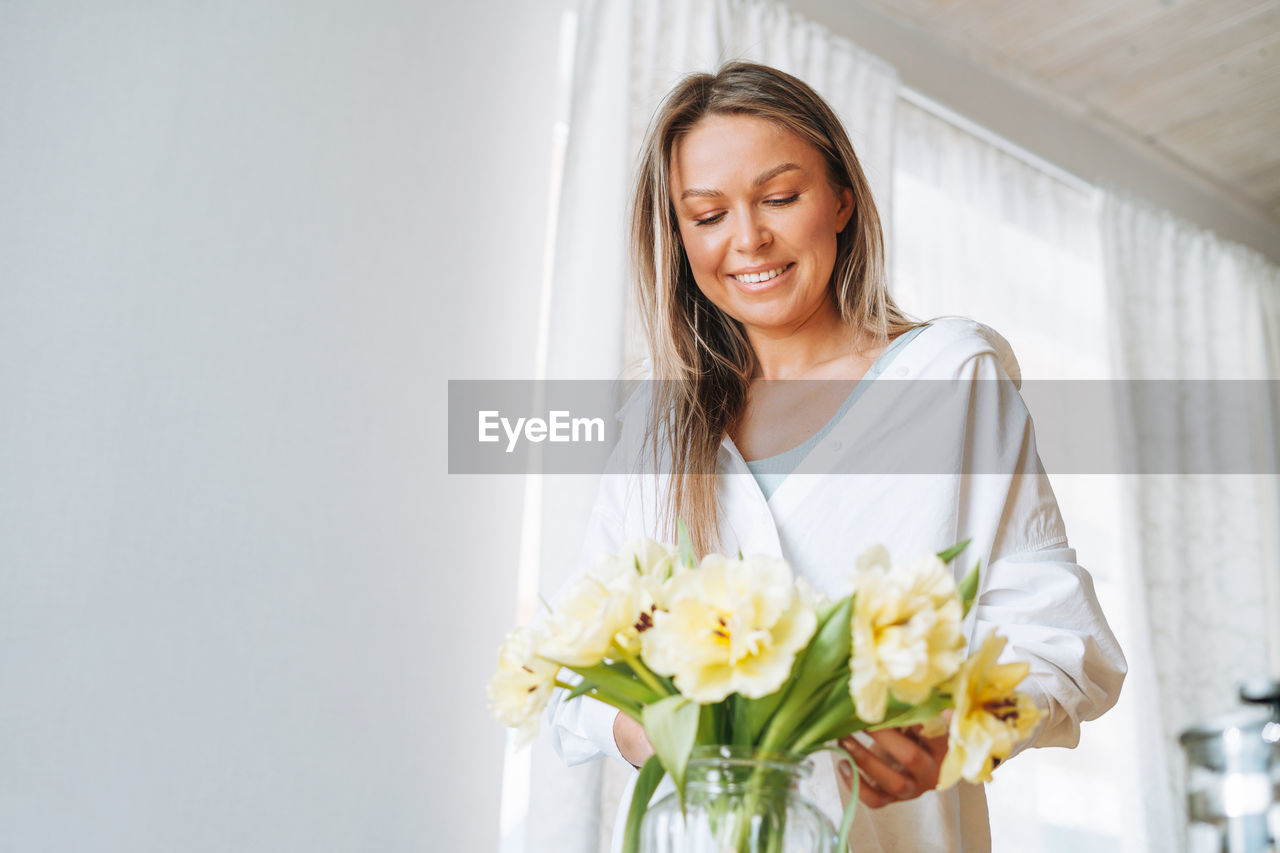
<point>643,673</point>
<point>790,717</point>
<point>817,733</point>
<point>631,709</point>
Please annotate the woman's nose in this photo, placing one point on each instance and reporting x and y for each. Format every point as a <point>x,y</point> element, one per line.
<point>750,233</point>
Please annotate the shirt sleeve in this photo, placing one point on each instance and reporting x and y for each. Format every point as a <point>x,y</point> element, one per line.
<point>1044,603</point>
<point>1031,589</point>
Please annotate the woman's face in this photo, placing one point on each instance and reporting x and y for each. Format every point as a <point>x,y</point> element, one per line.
<point>758,219</point>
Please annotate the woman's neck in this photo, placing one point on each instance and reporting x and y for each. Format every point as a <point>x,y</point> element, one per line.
<point>822,347</point>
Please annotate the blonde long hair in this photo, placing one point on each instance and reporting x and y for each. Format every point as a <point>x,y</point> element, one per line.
<point>700,353</point>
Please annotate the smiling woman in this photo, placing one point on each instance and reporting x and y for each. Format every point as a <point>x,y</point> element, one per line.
<point>760,234</point>
<point>758,255</point>
<point>758,259</point>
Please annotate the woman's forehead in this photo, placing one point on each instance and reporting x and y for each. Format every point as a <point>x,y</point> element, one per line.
<point>737,148</point>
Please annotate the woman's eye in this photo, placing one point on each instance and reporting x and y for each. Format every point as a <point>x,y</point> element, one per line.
<point>780,202</point>
<point>709,220</point>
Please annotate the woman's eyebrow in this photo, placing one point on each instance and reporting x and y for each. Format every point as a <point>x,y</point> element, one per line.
<point>762,179</point>
<point>767,176</point>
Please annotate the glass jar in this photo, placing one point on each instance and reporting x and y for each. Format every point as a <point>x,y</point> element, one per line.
<point>739,800</point>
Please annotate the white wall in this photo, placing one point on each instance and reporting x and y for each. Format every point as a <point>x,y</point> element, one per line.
<point>243,245</point>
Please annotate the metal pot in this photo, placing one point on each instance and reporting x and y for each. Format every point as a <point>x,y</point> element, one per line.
<point>1233,772</point>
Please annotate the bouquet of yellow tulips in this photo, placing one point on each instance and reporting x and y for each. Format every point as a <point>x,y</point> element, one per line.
<point>738,651</point>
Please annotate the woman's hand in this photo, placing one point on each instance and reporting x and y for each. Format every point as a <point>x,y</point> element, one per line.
<point>631,739</point>
<point>897,765</point>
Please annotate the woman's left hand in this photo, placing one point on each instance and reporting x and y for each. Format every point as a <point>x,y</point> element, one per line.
<point>897,765</point>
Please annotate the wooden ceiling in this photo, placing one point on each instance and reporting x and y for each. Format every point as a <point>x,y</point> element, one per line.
<point>1197,80</point>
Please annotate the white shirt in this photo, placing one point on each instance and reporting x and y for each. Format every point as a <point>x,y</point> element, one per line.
<point>1031,588</point>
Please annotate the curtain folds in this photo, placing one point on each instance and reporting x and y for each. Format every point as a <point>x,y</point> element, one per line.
<point>1187,305</point>
<point>982,233</point>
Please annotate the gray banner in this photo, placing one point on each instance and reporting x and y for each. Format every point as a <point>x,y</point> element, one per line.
<point>893,427</point>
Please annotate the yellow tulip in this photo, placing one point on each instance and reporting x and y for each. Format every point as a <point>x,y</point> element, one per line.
<point>990,716</point>
<point>906,632</point>
<point>521,686</point>
<point>730,626</point>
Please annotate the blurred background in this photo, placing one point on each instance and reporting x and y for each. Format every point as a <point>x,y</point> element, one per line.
<point>244,246</point>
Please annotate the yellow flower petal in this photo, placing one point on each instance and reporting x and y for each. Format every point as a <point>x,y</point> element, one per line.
<point>730,626</point>
<point>990,717</point>
<point>521,685</point>
<point>906,632</point>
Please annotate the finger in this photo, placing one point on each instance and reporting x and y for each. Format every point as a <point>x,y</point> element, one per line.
<point>937,746</point>
<point>880,776</point>
<point>868,794</point>
<point>866,742</point>
<point>872,798</point>
<point>916,760</point>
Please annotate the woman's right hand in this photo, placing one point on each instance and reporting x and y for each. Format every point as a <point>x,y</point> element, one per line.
<point>632,742</point>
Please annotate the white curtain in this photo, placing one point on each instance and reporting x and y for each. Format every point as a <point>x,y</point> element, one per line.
<point>628,54</point>
<point>983,232</point>
<point>1189,306</point>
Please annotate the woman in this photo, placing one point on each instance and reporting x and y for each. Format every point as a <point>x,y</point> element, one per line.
<point>759,258</point>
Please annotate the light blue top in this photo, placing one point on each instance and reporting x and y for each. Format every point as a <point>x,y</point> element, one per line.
<point>772,470</point>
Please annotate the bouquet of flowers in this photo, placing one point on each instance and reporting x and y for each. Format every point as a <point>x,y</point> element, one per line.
<point>738,651</point>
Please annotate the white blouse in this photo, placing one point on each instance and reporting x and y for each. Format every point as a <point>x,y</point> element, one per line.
<point>963,455</point>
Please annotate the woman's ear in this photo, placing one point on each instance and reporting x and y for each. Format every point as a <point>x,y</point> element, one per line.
<point>845,210</point>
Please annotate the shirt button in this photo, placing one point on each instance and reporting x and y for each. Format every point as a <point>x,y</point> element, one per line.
<point>837,445</point>
<point>899,371</point>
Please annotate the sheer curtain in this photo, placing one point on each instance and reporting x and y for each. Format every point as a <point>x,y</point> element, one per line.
<point>992,235</point>
<point>1188,305</point>
<point>1089,285</point>
<point>628,54</point>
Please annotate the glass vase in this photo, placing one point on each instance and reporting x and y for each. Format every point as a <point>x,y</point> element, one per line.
<point>739,800</point>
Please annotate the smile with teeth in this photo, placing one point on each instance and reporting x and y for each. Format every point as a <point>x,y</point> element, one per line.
<point>756,278</point>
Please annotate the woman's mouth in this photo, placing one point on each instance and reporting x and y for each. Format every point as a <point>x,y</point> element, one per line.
<point>760,280</point>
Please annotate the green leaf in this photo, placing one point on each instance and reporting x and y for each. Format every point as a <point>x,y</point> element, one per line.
<point>582,687</point>
<point>685,544</point>
<point>844,729</point>
<point>740,733</point>
<point>779,718</point>
<point>968,589</point>
<point>758,712</point>
<point>646,783</point>
<point>621,667</point>
<point>610,681</point>
<point>672,726</point>
<point>830,647</point>
<point>707,734</point>
<point>922,713</point>
<point>954,551</point>
<point>824,613</point>
<point>721,719</point>
<point>834,719</point>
